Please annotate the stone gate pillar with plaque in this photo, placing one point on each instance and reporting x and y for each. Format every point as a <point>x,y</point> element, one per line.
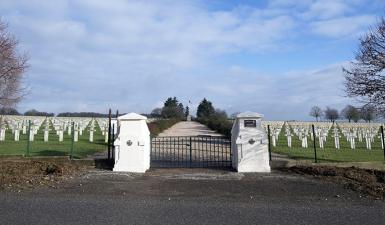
<point>249,144</point>
<point>132,145</point>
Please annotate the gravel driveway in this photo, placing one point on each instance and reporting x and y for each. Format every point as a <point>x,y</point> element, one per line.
<point>188,128</point>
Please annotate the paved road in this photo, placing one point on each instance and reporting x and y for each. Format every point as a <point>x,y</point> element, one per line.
<point>191,197</point>
<point>190,128</point>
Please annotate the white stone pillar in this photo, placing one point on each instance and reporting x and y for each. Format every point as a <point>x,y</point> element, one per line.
<point>249,143</point>
<point>132,144</point>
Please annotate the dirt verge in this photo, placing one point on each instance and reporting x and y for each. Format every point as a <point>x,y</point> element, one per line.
<point>366,181</point>
<point>22,174</point>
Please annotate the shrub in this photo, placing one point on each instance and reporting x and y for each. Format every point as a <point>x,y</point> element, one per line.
<point>159,126</point>
<point>218,123</point>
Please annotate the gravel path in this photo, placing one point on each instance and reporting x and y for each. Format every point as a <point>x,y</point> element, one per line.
<point>188,128</point>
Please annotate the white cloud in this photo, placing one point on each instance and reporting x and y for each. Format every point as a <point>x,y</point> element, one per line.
<point>326,9</point>
<point>342,27</point>
<point>282,96</point>
<point>290,3</point>
<point>131,54</point>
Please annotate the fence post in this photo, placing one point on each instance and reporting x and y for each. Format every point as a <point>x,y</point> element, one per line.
<point>314,144</point>
<point>113,138</point>
<point>73,140</point>
<point>382,136</point>
<point>190,151</point>
<point>109,134</point>
<point>268,136</point>
<point>28,137</point>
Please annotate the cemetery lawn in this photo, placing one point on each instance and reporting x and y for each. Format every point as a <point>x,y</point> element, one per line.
<point>53,147</point>
<point>330,153</point>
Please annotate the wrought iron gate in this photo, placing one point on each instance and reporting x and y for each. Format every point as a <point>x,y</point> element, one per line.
<point>195,151</point>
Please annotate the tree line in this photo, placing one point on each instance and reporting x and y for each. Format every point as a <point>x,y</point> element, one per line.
<point>172,108</point>
<point>367,113</point>
<point>34,112</point>
<point>31,112</point>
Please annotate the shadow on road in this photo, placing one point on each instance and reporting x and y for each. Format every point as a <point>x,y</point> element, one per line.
<point>104,164</point>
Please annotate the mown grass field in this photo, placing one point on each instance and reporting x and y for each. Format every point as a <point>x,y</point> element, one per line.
<point>330,153</point>
<point>53,147</point>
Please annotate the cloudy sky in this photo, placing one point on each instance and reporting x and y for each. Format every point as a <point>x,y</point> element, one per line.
<point>276,57</point>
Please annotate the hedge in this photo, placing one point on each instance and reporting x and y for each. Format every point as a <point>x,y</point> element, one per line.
<point>219,124</point>
<point>158,126</point>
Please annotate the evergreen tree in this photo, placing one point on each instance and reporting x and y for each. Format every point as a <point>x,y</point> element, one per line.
<point>172,109</point>
<point>187,111</point>
<point>205,109</point>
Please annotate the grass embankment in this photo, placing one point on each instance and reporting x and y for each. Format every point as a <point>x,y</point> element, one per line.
<point>329,153</point>
<point>53,147</point>
<point>158,126</point>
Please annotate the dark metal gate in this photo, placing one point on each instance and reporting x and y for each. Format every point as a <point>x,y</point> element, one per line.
<point>195,151</point>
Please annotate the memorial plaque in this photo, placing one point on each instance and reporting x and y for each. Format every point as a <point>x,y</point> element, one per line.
<point>250,123</point>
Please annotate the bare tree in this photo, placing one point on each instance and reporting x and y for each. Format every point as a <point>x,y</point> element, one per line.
<point>331,114</point>
<point>368,113</point>
<point>351,113</point>
<point>12,67</point>
<point>365,78</point>
<point>316,112</point>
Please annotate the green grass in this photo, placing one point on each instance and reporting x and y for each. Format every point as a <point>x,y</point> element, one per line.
<point>329,153</point>
<point>53,147</point>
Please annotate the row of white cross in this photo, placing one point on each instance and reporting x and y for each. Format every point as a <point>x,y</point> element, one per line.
<point>303,130</point>
<point>21,124</point>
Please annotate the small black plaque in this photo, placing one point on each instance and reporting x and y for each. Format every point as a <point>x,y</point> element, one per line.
<point>250,123</point>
